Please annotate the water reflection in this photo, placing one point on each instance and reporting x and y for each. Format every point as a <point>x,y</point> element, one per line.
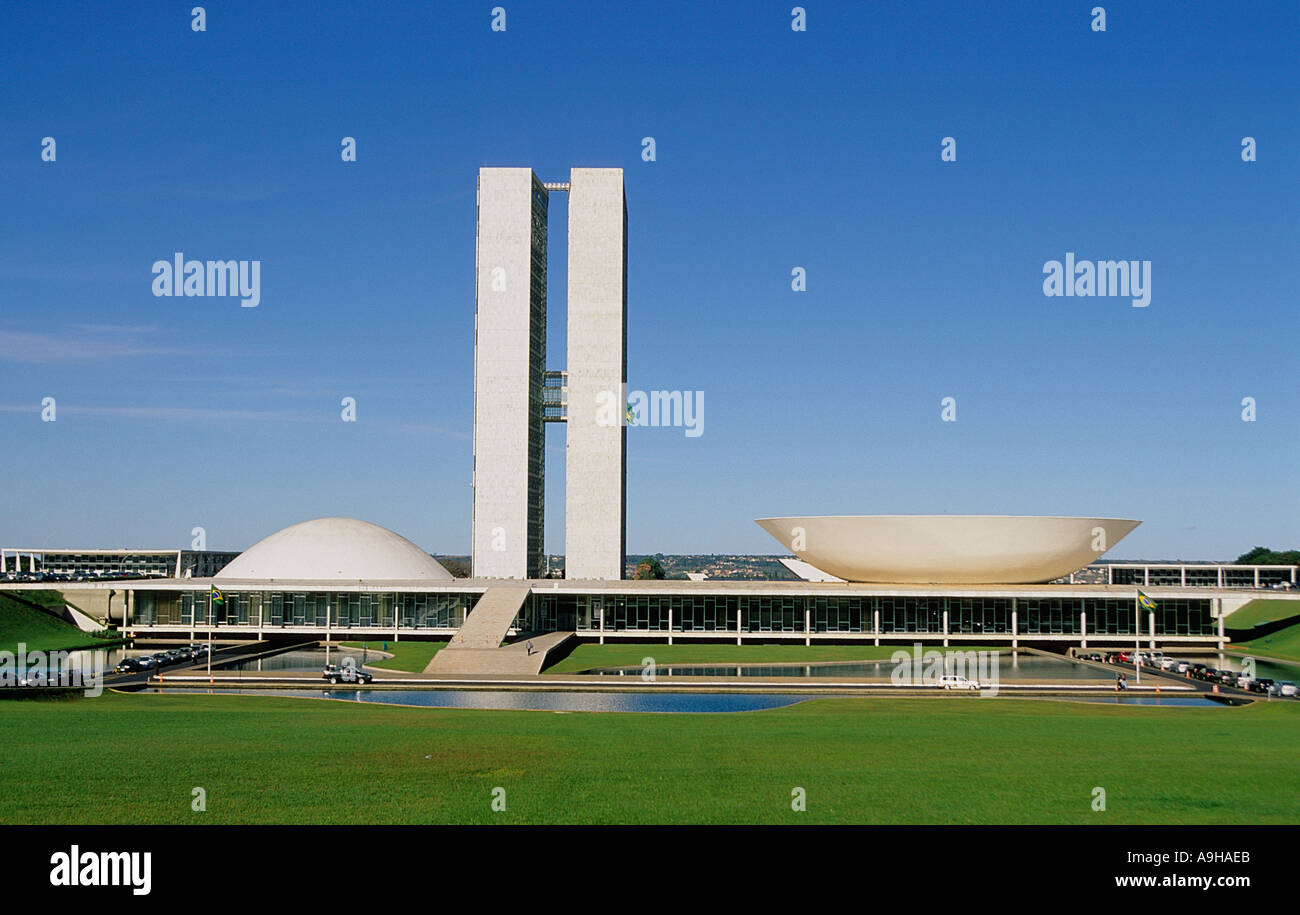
<point>533,700</point>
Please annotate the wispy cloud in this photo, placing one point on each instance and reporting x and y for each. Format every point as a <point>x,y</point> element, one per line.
<point>89,343</point>
<point>162,412</point>
<point>170,413</point>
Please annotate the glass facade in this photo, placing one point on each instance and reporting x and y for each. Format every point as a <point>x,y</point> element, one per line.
<point>725,614</point>
<point>537,383</point>
<point>319,609</point>
<point>1200,576</point>
<point>755,613</point>
<point>199,563</point>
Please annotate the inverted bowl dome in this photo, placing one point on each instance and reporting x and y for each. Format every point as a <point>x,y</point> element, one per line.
<point>948,549</point>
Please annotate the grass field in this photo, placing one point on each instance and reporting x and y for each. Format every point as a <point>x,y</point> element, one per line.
<point>136,759</point>
<point>587,656</point>
<point>1285,644</point>
<point>407,656</point>
<point>39,631</point>
<point>1264,610</point>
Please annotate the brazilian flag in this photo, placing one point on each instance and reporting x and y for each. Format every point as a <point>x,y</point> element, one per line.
<point>1145,602</point>
<point>216,598</point>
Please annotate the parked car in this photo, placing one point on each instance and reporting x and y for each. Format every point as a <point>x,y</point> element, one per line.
<point>146,662</point>
<point>1182,667</point>
<point>1286,688</point>
<point>1227,677</point>
<point>953,681</point>
<point>127,666</point>
<point>349,674</point>
<point>1168,663</point>
<point>1262,685</point>
<point>1200,670</point>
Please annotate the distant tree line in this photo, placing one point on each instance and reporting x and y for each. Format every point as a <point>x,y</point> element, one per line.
<point>1263,556</point>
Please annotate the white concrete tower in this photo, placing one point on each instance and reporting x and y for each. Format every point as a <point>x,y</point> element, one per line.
<point>509,366</point>
<point>596,453</point>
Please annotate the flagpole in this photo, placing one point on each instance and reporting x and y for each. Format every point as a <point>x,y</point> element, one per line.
<point>1137,638</point>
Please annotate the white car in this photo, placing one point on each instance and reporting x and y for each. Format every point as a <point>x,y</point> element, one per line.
<point>1182,666</point>
<point>1168,664</point>
<point>1286,688</point>
<point>1243,681</point>
<point>952,681</point>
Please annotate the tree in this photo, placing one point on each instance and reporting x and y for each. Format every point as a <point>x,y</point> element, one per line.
<point>1255,556</point>
<point>1263,556</point>
<point>649,568</point>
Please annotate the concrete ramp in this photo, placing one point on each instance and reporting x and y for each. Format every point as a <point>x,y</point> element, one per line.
<point>472,649</point>
<point>477,648</point>
<point>514,659</point>
<point>489,622</point>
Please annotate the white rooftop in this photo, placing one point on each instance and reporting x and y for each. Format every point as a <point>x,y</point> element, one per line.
<point>335,549</point>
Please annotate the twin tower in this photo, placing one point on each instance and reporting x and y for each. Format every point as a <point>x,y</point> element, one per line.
<point>515,395</point>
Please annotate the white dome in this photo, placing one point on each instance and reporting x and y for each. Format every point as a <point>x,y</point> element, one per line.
<point>335,549</point>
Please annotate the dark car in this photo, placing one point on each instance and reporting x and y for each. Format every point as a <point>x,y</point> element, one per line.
<point>1228,677</point>
<point>127,666</point>
<point>1262,685</point>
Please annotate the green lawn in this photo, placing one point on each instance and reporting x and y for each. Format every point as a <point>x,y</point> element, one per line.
<point>408,656</point>
<point>1264,610</point>
<point>587,656</point>
<point>1285,643</point>
<point>38,630</point>
<point>136,758</point>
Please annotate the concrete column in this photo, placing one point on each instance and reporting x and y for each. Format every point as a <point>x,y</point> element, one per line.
<point>1182,571</point>
<point>1015,625</point>
<point>1083,628</point>
<point>945,629</point>
<point>1146,576</point>
<point>1219,570</point>
<point>670,624</point>
<point>738,630</point>
<point>807,625</point>
<point>1110,574</point>
<point>875,624</point>
<point>602,622</point>
<point>1219,602</point>
<point>1151,627</point>
<point>1256,578</point>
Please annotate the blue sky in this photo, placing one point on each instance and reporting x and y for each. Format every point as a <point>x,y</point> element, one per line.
<point>775,149</point>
